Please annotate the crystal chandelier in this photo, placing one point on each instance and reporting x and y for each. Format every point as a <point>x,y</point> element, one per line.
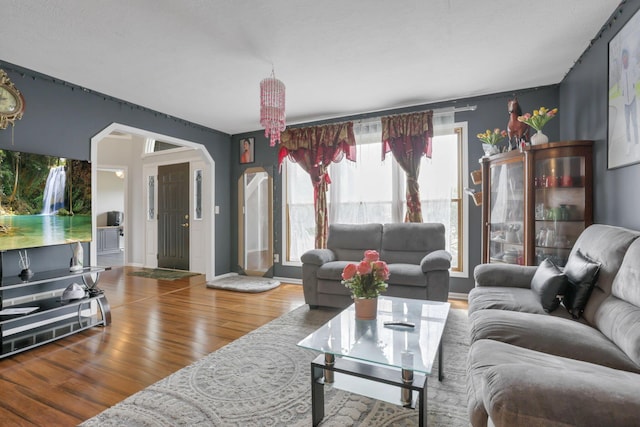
<point>272,114</point>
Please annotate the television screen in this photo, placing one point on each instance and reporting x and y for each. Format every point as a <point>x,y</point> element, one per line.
<point>44,200</point>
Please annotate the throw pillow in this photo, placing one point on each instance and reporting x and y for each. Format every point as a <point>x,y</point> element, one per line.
<point>582,272</point>
<point>548,282</point>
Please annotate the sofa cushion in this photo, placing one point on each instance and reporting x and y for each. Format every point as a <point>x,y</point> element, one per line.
<point>582,272</point>
<point>618,317</point>
<point>332,270</point>
<point>620,322</point>
<point>485,354</point>
<point>626,284</point>
<point>607,245</point>
<point>349,241</point>
<point>333,287</point>
<point>406,274</point>
<point>514,299</point>
<point>549,334</point>
<point>548,282</point>
<point>523,395</point>
<point>410,242</point>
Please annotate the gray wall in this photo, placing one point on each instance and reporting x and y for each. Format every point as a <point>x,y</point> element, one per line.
<point>61,118</point>
<point>583,98</point>
<point>491,113</point>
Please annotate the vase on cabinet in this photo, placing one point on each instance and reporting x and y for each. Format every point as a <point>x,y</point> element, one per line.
<point>490,149</point>
<point>539,138</point>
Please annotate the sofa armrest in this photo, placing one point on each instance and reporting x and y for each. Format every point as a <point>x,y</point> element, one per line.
<point>318,256</point>
<point>506,275</point>
<point>436,260</point>
<point>521,394</point>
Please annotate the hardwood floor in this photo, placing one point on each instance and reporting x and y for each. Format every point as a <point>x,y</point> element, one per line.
<point>158,327</point>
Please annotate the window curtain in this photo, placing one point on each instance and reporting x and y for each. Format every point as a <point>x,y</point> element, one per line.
<point>409,137</point>
<point>314,149</point>
<point>370,190</point>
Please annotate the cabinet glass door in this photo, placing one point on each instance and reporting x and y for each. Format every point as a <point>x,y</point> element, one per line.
<point>559,206</point>
<point>506,213</point>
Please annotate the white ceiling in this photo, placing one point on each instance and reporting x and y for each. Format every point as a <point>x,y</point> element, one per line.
<point>202,60</point>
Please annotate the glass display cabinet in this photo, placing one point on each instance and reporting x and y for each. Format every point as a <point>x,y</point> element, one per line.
<point>536,202</point>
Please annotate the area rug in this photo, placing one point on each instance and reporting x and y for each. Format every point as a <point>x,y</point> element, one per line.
<point>244,283</point>
<point>263,379</point>
<point>162,274</point>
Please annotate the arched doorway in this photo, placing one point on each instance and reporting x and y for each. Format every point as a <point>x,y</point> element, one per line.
<point>139,206</point>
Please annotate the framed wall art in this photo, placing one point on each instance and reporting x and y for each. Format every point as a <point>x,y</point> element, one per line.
<point>246,150</point>
<point>624,88</point>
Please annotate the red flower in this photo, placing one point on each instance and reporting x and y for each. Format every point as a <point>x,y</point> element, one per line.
<point>364,268</point>
<point>349,271</point>
<point>371,256</point>
<point>381,270</point>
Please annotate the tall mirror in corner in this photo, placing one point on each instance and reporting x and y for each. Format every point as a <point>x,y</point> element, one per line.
<point>255,230</point>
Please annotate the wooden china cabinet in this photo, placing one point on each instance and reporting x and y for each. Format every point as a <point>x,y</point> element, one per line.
<point>536,202</point>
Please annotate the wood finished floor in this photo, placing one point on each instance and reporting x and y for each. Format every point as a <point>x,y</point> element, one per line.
<point>158,327</point>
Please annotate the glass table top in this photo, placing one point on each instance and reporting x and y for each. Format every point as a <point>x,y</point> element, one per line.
<point>396,346</point>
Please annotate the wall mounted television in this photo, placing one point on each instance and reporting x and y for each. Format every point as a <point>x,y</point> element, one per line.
<point>44,200</point>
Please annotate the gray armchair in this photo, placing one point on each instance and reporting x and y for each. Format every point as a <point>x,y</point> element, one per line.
<point>418,263</point>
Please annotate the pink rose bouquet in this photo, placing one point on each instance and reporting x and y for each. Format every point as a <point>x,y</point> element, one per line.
<point>368,278</point>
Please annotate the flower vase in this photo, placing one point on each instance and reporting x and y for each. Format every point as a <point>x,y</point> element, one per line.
<point>366,308</point>
<point>490,149</point>
<point>539,138</point>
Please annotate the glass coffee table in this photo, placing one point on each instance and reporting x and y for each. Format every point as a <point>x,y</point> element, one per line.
<point>378,359</point>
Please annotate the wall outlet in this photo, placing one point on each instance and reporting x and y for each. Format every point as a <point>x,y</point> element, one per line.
<point>276,257</point>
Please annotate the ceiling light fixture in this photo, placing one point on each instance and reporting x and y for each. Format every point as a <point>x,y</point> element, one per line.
<point>272,114</point>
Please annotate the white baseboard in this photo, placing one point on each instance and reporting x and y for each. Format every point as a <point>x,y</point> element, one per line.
<point>458,295</point>
<point>289,280</point>
<point>222,276</point>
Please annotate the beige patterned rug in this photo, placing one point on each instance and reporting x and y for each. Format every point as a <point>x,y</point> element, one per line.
<point>263,379</point>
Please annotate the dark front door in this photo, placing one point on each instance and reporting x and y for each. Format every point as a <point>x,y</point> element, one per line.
<point>173,216</point>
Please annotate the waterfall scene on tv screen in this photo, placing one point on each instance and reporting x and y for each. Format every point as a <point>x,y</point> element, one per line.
<point>44,200</point>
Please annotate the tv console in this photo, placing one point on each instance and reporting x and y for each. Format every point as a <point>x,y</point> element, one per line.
<point>34,313</point>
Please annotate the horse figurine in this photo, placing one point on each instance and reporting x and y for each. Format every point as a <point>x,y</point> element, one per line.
<point>516,131</point>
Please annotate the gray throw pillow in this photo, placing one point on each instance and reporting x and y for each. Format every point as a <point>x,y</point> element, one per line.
<point>582,272</point>
<point>548,282</point>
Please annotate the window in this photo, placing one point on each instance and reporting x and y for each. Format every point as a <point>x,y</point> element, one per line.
<point>372,190</point>
<point>299,217</point>
<point>441,184</point>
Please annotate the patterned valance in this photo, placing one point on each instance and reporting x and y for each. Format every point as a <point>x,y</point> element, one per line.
<point>413,131</point>
<point>333,140</point>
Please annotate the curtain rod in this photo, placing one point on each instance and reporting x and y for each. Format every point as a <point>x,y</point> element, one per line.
<point>375,116</point>
<point>454,109</point>
<point>436,112</point>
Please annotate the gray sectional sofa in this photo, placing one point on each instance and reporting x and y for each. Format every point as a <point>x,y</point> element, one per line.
<point>528,366</point>
<point>415,253</point>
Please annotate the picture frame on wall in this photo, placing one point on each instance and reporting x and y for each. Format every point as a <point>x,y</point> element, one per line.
<point>246,150</point>
<point>623,147</point>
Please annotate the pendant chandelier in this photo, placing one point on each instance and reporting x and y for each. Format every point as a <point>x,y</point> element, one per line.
<point>272,114</point>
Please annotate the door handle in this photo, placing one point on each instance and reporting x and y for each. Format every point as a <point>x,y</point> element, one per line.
<point>186,224</point>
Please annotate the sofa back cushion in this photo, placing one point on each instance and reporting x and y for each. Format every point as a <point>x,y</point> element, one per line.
<point>606,245</point>
<point>349,241</point>
<point>618,317</point>
<point>408,243</point>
